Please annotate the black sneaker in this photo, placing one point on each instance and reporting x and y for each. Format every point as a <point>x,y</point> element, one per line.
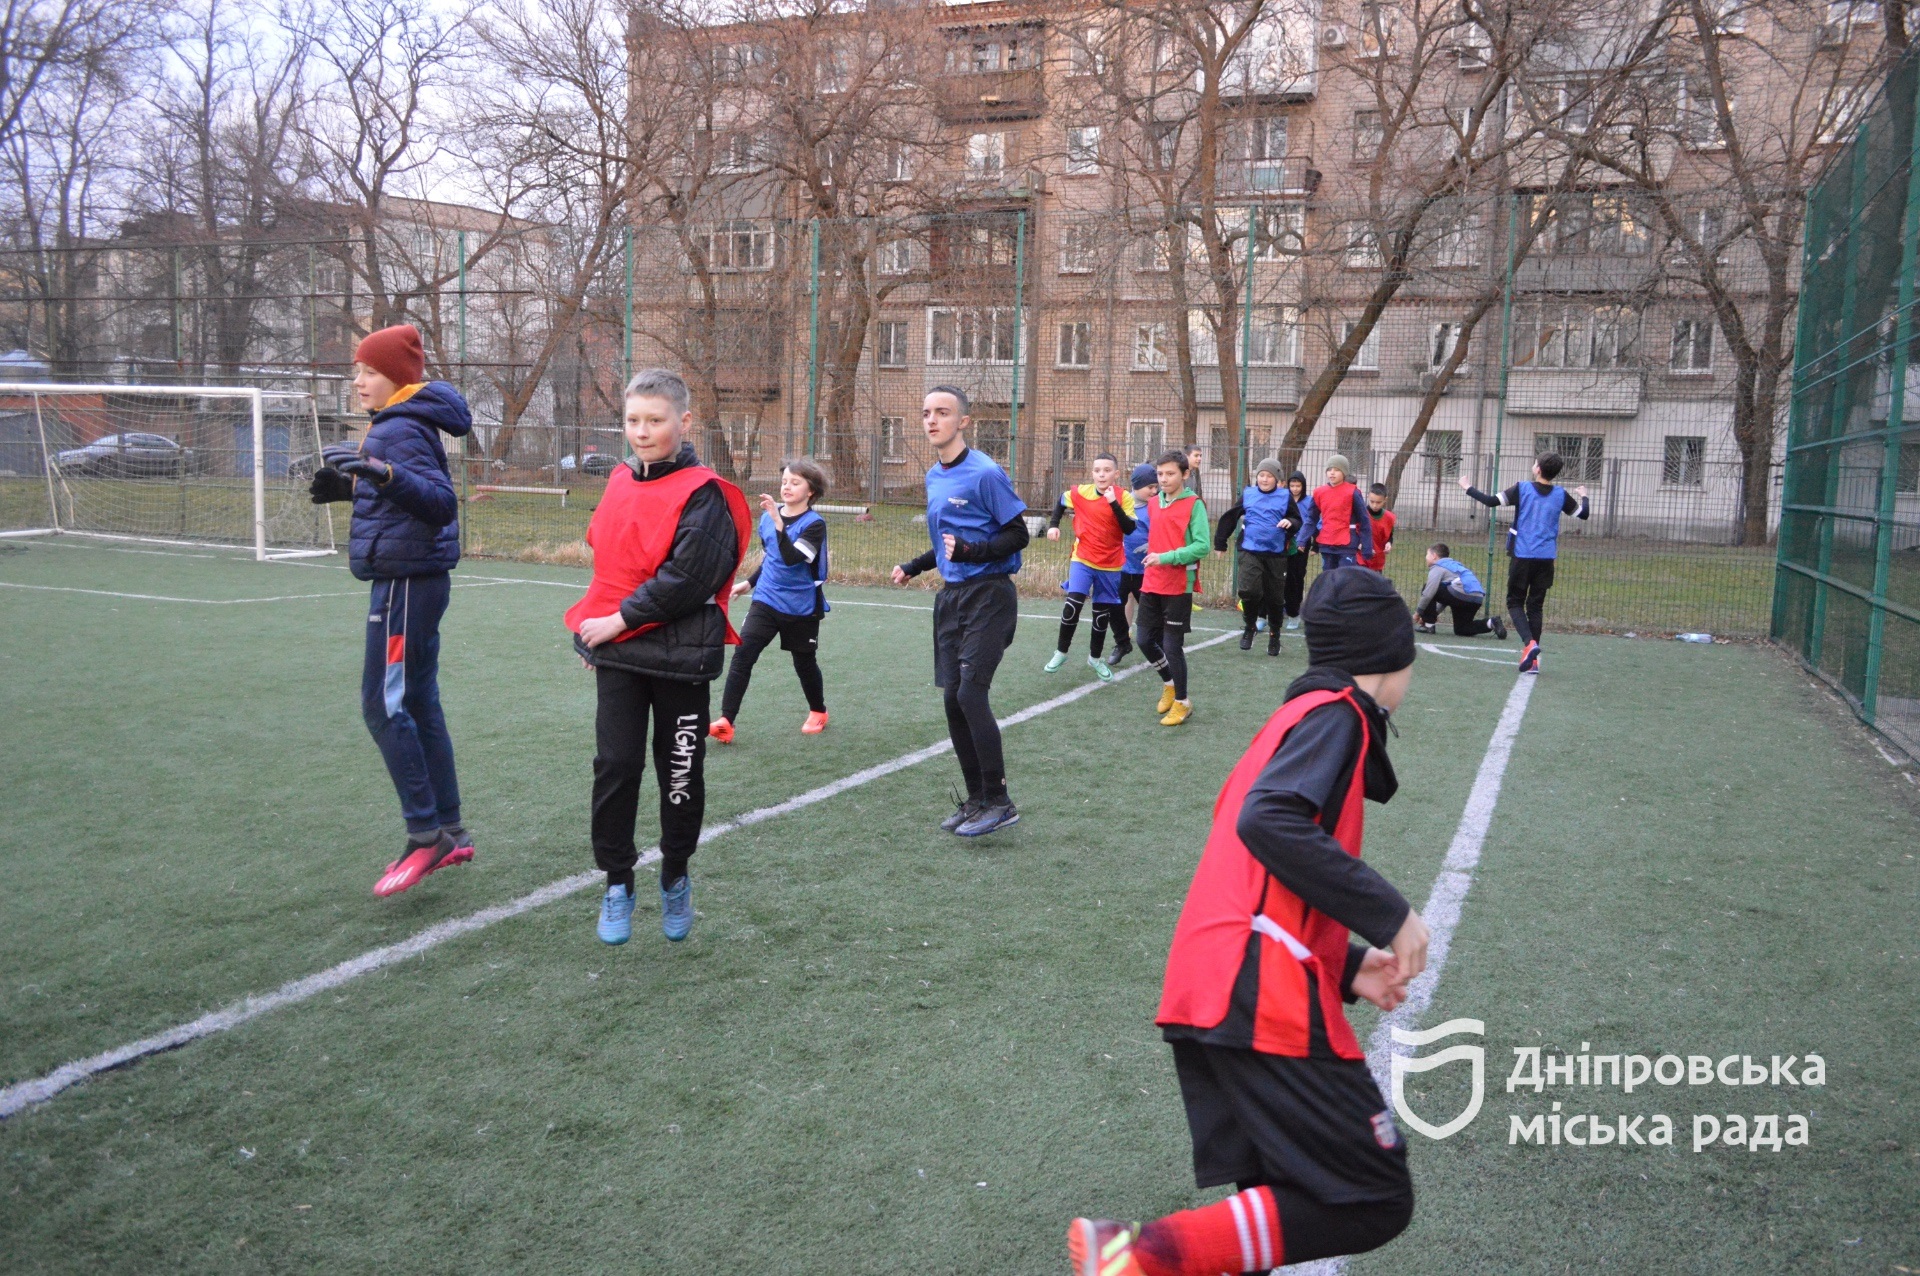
<point>961,814</point>
<point>1120,652</point>
<point>988,815</point>
<point>1273,642</point>
<point>1246,640</point>
<point>1423,627</point>
<point>1499,627</point>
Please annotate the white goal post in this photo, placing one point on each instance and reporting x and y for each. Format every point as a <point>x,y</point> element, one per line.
<point>200,465</point>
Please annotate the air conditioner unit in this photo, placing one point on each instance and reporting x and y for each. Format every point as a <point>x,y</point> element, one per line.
<point>1333,36</point>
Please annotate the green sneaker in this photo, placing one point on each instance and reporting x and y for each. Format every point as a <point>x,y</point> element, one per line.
<point>1054,661</point>
<point>1101,669</point>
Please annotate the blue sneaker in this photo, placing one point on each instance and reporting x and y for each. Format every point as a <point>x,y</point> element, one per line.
<point>676,910</point>
<point>616,916</point>
<point>993,813</point>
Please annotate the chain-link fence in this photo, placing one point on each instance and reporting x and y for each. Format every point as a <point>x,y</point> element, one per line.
<point>1849,565</point>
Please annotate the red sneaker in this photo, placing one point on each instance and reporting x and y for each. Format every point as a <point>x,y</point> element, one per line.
<point>721,730</point>
<point>815,723</point>
<point>1102,1247</point>
<point>413,867</point>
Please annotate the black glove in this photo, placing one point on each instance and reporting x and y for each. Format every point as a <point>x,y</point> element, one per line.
<point>330,485</point>
<point>337,454</point>
<point>370,468</point>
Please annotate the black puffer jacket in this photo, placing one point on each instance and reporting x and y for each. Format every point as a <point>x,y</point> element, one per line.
<point>690,643</point>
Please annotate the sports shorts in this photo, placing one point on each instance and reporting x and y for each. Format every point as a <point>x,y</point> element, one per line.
<point>1097,585</point>
<point>973,623</point>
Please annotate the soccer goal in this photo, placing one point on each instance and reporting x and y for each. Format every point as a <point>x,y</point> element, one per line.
<point>203,465</point>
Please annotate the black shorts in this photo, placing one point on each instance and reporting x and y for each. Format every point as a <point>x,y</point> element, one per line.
<point>1165,611</point>
<point>1318,1125</point>
<point>973,622</point>
<point>1130,583</point>
<point>797,633</point>
<point>1528,576</point>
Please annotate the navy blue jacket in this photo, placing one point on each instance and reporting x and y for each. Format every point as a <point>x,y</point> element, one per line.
<point>410,525</point>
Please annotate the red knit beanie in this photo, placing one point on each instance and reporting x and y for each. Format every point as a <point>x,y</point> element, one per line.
<point>394,353</point>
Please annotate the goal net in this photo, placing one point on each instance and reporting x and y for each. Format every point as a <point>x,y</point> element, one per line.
<point>209,465</point>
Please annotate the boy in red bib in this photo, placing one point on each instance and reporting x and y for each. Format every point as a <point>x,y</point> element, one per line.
<point>1176,541</point>
<point>1337,519</point>
<point>1102,513</point>
<point>1383,520</point>
<point>1279,1100</point>
<point>667,537</point>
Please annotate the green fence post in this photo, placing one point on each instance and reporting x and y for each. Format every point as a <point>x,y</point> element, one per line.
<point>461,248</point>
<point>1019,302</point>
<point>1240,477</point>
<point>1506,367</point>
<point>1803,359</point>
<point>813,337</point>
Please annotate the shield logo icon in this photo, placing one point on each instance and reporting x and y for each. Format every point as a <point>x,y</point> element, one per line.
<point>1403,1064</point>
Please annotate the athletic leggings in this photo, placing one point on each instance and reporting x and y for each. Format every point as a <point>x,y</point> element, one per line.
<point>755,635</point>
<point>1311,1229</point>
<point>1296,587</point>
<point>1164,645</point>
<point>1106,617</point>
<point>1528,580</point>
<point>976,739</point>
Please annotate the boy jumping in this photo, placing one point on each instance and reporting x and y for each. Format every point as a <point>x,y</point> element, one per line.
<point>667,537</point>
<point>1267,516</point>
<point>1102,518</point>
<point>1452,584</point>
<point>975,521</point>
<point>405,539</point>
<point>1383,523</point>
<point>1337,520</point>
<point>1533,543</point>
<point>789,596</point>
<point>1176,540</point>
<point>1279,1100</point>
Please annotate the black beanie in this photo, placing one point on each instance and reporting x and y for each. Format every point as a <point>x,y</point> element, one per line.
<point>1355,620</point>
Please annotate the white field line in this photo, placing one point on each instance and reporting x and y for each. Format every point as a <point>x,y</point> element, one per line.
<point>212,602</point>
<point>1442,909</point>
<point>1439,650</point>
<point>25,1094</point>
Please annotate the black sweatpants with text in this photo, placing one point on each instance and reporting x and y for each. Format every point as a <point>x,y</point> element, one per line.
<point>679,712</point>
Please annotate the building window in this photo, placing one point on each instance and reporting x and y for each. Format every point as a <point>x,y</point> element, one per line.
<point>1076,345</point>
<point>1357,446</point>
<point>892,341</point>
<point>1685,464</point>
<point>1275,333</point>
<point>1445,340</point>
<point>1163,143</point>
<point>1155,253</point>
<point>986,156</point>
<point>1150,347</point>
<point>1146,440</point>
<point>1257,155</point>
<point>992,435</point>
<point>895,257</point>
<point>1457,244</point>
<point>1369,135</point>
<point>1692,346</point>
<point>1379,29</point>
<point>1073,440</point>
<point>1610,225</point>
<point>738,246</point>
<point>893,439</point>
<point>1279,233</point>
<point>978,245</point>
<point>1078,254</point>
<point>898,165</point>
<point>1083,150</point>
<point>1363,247</point>
<point>1086,53</point>
<point>1841,112</point>
<point>970,335</point>
<point>1367,358</point>
<point>1440,455</point>
<point>1555,336</point>
<point>740,429</point>
<point>1583,453</point>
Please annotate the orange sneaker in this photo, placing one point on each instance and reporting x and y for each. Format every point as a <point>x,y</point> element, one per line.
<point>721,730</point>
<point>1101,1247</point>
<point>815,723</point>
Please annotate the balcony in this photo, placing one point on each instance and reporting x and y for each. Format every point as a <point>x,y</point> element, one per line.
<point>1265,387</point>
<point>1293,176</point>
<point>983,382</point>
<point>748,383</point>
<point>986,96</point>
<point>1573,392</point>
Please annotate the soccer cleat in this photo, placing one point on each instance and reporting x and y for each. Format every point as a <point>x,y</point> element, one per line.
<point>963,810</point>
<point>413,867</point>
<point>816,723</point>
<point>1101,669</point>
<point>616,916</point>
<point>1102,1247</point>
<point>1530,657</point>
<point>1166,698</point>
<point>1293,622</point>
<point>676,909</point>
<point>1499,627</point>
<point>722,730</point>
<point>1121,650</point>
<point>1246,640</point>
<point>1054,661</point>
<point>988,815</point>
<point>1423,627</point>
<point>1273,643</point>
<point>1180,712</point>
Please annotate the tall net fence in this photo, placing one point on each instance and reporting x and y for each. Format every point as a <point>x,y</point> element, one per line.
<point>1848,600</point>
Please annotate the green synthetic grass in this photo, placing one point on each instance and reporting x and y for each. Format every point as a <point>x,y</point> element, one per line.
<point>883,1048</point>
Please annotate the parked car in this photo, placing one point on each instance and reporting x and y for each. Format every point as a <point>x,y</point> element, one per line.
<point>126,456</point>
<point>593,464</point>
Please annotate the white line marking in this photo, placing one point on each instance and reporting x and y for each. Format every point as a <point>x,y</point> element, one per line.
<point>25,1094</point>
<point>214,602</point>
<point>1442,909</point>
<point>1438,650</point>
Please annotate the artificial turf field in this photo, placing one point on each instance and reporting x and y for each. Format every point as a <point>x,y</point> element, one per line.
<point>883,1049</point>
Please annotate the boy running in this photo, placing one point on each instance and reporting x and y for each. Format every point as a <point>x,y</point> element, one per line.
<point>1452,584</point>
<point>1298,547</point>
<point>1533,543</point>
<point>789,596</point>
<point>1176,540</point>
<point>1279,1100</point>
<point>405,538</point>
<point>974,519</point>
<point>1102,518</point>
<point>1145,482</point>
<point>1337,520</point>
<point>1383,523</point>
<point>667,537</point>
<point>1271,517</point>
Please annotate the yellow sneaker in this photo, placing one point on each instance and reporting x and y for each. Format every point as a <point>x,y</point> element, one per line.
<point>1166,698</point>
<point>1180,712</point>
